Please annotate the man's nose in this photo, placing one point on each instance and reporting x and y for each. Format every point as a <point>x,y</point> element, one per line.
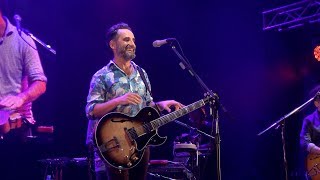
<point>132,44</point>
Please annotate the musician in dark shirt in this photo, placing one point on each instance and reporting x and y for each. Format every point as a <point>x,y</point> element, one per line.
<point>310,132</point>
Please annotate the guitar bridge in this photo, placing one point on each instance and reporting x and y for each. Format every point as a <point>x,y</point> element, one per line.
<point>104,147</point>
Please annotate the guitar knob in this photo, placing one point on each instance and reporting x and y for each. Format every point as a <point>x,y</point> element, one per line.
<point>132,148</point>
<point>135,158</point>
<point>129,164</point>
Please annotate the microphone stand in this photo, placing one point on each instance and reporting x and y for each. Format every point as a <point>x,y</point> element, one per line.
<point>281,122</point>
<point>46,46</point>
<point>214,104</point>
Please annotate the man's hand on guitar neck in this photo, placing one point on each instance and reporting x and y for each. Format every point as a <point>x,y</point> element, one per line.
<point>165,105</point>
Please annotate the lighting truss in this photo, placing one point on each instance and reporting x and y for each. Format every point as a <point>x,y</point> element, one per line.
<point>292,16</point>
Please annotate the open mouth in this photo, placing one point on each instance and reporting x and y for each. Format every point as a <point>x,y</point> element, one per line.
<point>130,50</point>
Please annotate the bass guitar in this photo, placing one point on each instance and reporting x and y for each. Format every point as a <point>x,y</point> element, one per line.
<point>121,139</point>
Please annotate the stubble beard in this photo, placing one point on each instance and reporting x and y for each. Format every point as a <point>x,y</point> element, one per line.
<point>126,55</point>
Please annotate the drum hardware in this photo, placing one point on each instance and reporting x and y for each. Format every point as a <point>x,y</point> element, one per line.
<point>194,129</point>
<point>165,169</point>
<point>54,167</point>
<point>162,162</point>
<point>189,152</point>
<point>161,176</point>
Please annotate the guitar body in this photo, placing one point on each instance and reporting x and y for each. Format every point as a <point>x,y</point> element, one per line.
<point>313,166</point>
<point>121,139</point>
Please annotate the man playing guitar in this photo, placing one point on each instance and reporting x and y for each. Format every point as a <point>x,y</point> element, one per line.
<point>310,137</point>
<point>119,87</point>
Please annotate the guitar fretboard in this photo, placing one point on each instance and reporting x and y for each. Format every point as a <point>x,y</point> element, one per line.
<point>176,114</point>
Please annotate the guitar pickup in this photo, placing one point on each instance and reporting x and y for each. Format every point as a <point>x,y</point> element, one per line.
<point>132,134</point>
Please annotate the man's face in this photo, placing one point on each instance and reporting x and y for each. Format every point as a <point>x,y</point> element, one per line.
<point>125,44</point>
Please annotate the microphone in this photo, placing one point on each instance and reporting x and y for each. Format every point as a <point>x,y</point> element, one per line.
<point>317,96</point>
<point>17,19</point>
<point>158,43</point>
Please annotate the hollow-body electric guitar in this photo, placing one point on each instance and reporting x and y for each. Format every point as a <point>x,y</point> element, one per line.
<point>121,139</point>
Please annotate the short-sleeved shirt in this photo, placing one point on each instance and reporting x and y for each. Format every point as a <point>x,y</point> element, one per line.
<point>19,66</point>
<point>111,82</point>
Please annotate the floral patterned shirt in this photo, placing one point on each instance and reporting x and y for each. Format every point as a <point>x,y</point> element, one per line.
<point>111,82</point>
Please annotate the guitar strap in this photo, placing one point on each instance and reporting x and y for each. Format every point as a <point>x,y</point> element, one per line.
<point>143,77</point>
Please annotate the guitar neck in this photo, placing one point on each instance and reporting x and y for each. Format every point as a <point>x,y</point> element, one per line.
<point>176,114</point>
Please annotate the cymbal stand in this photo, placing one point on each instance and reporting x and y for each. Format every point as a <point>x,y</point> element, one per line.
<point>193,129</point>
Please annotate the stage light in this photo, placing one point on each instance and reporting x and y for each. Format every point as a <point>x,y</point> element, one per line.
<point>316,52</point>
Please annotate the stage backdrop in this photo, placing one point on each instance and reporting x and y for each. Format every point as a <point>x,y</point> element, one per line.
<point>259,75</point>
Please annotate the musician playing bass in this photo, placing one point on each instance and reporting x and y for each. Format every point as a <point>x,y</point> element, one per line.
<point>119,87</point>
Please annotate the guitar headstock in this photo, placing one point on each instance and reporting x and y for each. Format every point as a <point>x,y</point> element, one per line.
<point>210,97</point>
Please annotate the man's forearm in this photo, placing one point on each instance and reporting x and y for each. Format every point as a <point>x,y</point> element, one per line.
<point>36,89</point>
<point>101,109</point>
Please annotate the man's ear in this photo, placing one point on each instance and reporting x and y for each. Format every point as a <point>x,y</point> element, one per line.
<point>112,44</point>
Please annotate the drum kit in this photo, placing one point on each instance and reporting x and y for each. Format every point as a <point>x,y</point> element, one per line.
<point>191,149</point>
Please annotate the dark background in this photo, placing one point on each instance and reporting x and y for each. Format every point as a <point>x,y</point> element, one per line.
<point>259,75</point>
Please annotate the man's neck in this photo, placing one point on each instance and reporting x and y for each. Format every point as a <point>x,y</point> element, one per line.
<point>2,25</point>
<point>123,65</point>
